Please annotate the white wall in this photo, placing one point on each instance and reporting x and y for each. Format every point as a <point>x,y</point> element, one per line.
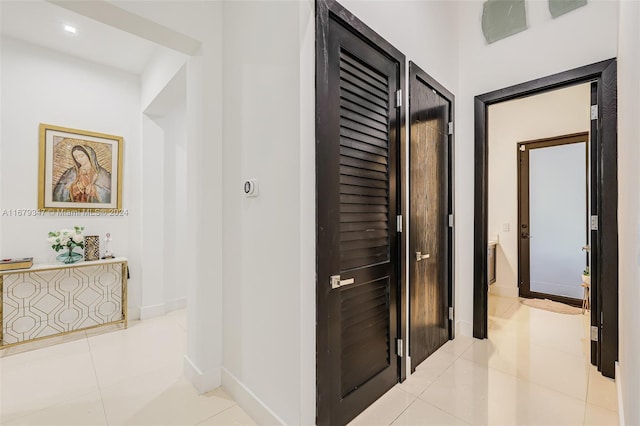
<point>43,86</point>
<point>201,21</point>
<point>261,236</point>
<point>629,209</point>
<point>177,246</point>
<point>165,245</point>
<point>425,31</point>
<point>551,114</point>
<point>549,46</point>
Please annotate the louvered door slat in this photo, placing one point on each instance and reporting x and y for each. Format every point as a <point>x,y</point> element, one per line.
<point>363,182</point>
<point>363,84</point>
<point>364,243</point>
<point>362,226</point>
<point>352,89</point>
<point>372,79</point>
<point>346,58</point>
<point>362,102</point>
<point>358,208</point>
<point>355,199</point>
<point>359,190</point>
<point>363,147</point>
<point>363,235</point>
<point>363,173</point>
<point>349,106</point>
<point>347,160</point>
<point>365,327</point>
<point>348,131</point>
<point>364,120</point>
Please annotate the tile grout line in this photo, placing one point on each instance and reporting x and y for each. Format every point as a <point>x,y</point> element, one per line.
<point>446,412</point>
<point>216,415</point>
<point>528,380</point>
<point>457,357</point>
<point>432,383</point>
<point>95,373</point>
<point>407,407</point>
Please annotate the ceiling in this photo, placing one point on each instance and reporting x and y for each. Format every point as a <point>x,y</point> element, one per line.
<point>42,23</point>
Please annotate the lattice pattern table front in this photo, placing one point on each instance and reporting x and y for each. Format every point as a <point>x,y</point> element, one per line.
<point>42,302</point>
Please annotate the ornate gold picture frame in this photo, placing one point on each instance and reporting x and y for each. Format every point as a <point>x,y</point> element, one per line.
<point>79,170</point>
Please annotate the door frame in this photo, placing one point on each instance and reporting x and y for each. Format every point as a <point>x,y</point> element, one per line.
<point>524,254</point>
<point>604,203</point>
<point>324,10</point>
<point>416,72</point>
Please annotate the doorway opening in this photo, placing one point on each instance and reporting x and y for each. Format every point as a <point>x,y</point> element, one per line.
<point>603,203</point>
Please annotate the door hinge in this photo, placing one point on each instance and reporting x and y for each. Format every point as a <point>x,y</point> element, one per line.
<point>450,128</point>
<point>594,223</point>
<point>398,98</point>
<point>594,112</point>
<point>594,333</point>
<point>399,348</point>
<point>451,313</point>
<point>399,223</point>
<point>523,148</point>
<point>451,221</point>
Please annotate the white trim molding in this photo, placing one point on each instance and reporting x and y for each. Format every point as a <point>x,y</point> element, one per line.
<point>202,381</point>
<point>620,401</point>
<point>248,401</point>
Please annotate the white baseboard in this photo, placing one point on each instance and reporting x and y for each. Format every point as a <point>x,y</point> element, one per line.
<point>503,291</point>
<point>248,401</point>
<point>153,311</point>
<point>202,381</point>
<point>173,305</point>
<point>620,400</point>
<point>162,308</point>
<point>133,313</point>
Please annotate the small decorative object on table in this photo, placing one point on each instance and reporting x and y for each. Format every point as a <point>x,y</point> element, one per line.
<point>107,247</point>
<point>21,263</point>
<point>67,239</point>
<point>586,277</point>
<point>92,247</point>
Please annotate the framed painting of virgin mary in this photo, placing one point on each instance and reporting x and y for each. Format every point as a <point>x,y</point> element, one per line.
<point>79,170</point>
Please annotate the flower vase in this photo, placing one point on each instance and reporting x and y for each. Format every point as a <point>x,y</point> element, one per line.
<point>69,256</point>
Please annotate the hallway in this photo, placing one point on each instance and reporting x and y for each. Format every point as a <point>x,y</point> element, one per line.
<point>126,377</point>
<point>533,369</point>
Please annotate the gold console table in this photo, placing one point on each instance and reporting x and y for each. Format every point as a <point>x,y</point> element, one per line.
<point>52,300</point>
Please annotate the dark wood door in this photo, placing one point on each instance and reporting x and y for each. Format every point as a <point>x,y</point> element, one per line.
<point>552,271</point>
<point>358,133</point>
<point>430,204</point>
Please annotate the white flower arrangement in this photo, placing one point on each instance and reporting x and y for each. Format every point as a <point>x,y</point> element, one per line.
<point>67,238</point>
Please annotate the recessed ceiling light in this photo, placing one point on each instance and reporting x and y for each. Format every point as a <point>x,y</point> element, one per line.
<point>70,29</point>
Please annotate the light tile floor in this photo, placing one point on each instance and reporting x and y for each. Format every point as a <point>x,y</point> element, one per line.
<point>532,370</point>
<point>125,377</point>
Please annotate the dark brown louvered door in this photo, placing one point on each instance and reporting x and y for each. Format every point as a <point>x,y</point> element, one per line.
<point>430,198</point>
<point>358,132</point>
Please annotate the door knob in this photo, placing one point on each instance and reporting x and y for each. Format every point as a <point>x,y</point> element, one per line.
<point>420,256</point>
<point>525,235</point>
<point>586,248</point>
